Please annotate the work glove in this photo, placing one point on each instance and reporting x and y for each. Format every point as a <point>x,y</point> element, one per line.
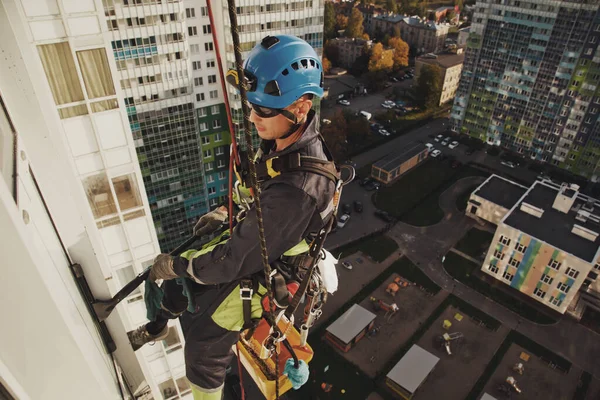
<point>211,221</point>
<point>162,268</point>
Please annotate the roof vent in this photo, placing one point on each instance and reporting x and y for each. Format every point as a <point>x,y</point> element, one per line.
<point>588,206</point>
<point>532,210</point>
<point>584,233</point>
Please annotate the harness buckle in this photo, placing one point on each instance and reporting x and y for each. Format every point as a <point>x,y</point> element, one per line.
<point>246,290</point>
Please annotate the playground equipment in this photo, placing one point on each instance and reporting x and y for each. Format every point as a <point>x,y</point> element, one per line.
<point>512,382</point>
<point>390,309</point>
<point>399,282</point>
<point>446,338</point>
<point>519,368</point>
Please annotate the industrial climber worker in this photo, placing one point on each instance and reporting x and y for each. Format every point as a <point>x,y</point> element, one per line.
<point>283,75</point>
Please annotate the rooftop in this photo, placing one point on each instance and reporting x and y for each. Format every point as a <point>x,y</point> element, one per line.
<point>346,327</point>
<point>394,160</point>
<point>501,191</point>
<point>445,60</point>
<point>553,226</point>
<point>413,368</point>
<point>415,21</point>
<point>352,41</point>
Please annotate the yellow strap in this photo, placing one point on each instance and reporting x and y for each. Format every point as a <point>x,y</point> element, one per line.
<point>272,173</point>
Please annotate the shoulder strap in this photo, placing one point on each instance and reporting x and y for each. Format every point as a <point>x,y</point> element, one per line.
<point>294,162</point>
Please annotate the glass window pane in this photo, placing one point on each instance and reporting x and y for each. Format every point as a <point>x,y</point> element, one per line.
<point>167,389</point>
<point>127,192</point>
<point>96,73</point>
<point>183,385</point>
<point>70,112</point>
<point>172,338</point>
<point>99,196</point>
<point>104,105</point>
<point>61,73</point>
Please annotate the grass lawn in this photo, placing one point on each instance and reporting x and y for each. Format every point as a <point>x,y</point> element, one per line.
<point>463,270</point>
<point>378,248</point>
<point>475,242</point>
<point>463,198</point>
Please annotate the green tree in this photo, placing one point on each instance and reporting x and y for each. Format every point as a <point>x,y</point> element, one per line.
<point>391,6</point>
<point>355,27</point>
<point>332,52</point>
<point>400,48</point>
<point>329,17</point>
<point>380,59</point>
<point>335,135</point>
<point>341,22</point>
<point>429,86</point>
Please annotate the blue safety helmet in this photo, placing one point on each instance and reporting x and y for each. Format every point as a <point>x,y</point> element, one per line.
<point>280,70</point>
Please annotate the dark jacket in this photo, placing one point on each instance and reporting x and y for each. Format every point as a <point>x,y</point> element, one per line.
<point>294,205</point>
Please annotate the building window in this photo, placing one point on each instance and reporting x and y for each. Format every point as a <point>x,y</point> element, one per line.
<point>214,110</point>
<point>573,273</point>
<point>547,279</point>
<point>222,175</point>
<point>207,153</point>
<point>190,12</point>
<point>60,70</point>
<point>99,195</point>
<point>597,267</point>
<point>198,81</point>
<point>210,64</point>
<point>498,254</point>
<point>212,190</point>
<point>554,264</point>
<point>555,301</point>
<point>220,164</point>
<point>205,140</point>
<point>209,166</point>
<point>219,151</point>
<point>203,126</point>
<point>199,96</point>
<point>213,202</point>
<point>192,31</point>
<point>127,192</point>
<point>214,94</point>
<point>212,79</point>
<point>504,240</point>
<point>520,248</point>
<point>210,179</point>
<point>208,46</point>
<point>196,65</point>
<point>508,277</point>
<point>563,287</point>
<point>204,11</point>
<point>216,124</point>
<point>514,262</point>
<point>492,268</point>
<point>206,29</point>
<point>218,137</point>
<point>223,187</point>
<point>539,293</point>
<point>202,112</point>
<point>194,48</point>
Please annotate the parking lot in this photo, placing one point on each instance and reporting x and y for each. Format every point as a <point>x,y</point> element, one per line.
<point>539,380</point>
<point>414,306</point>
<point>454,375</point>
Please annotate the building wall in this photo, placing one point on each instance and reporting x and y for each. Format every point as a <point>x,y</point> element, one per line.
<point>530,265</point>
<point>451,80</point>
<point>530,82</point>
<point>487,211</point>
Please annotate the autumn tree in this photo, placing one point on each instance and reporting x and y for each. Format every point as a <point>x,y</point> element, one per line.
<point>335,135</point>
<point>365,36</point>
<point>380,60</point>
<point>391,6</point>
<point>341,22</point>
<point>355,28</point>
<point>326,65</point>
<point>429,86</point>
<point>401,49</point>
<point>330,20</point>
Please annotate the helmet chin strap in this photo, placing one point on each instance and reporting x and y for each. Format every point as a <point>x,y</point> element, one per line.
<point>295,126</point>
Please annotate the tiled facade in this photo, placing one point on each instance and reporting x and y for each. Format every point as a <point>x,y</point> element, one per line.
<point>424,36</point>
<point>530,81</point>
<point>350,49</point>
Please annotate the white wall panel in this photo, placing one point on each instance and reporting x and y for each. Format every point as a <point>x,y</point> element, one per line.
<point>120,258</point>
<point>37,8</point>
<point>114,239</point>
<point>80,135</point>
<point>145,250</point>
<point>89,163</point>
<point>117,157</point>
<point>138,232</point>
<point>84,26</point>
<point>110,129</point>
<point>137,314</point>
<point>78,6</point>
<point>160,369</point>
<point>176,358</point>
<point>44,30</point>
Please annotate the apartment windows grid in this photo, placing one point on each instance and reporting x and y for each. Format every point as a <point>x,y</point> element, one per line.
<point>498,254</point>
<point>192,31</point>
<point>563,287</point>
<point>204,11</point>
<point>504,240</point>
<point>514,262</point>
<point>209,166</point>
<point>539,293</point>
<point>212,79</point>
<point>554,265</point>
<point>573,273</point>
<point>213,202</point>
<point>492,268</point>
<point>223,187</point>
<point>508,276</point>
<point>546,279</point>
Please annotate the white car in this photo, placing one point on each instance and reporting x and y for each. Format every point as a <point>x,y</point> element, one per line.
<point>508,164</point>
<point>344,102</point>
<point>383,132</point>
<point>429,147</point>
<point>386,105</point>
<point>347,265</point>
<point>438,138</point>
<point>453,145</point>
<point>445,142</point>
<point>343,221</point>
<point>435,153</point>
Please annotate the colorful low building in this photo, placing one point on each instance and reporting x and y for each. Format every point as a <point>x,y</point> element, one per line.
<point>411,371</point>
<point>348,329</point>
<point>547,245</point>
<point>394,165</point>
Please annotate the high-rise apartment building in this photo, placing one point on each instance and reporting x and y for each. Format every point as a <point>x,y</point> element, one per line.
<point>530,81</point>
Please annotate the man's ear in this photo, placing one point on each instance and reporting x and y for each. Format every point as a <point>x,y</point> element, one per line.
<point>303,108</point>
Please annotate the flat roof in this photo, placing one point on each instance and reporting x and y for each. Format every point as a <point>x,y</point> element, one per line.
<point>554,227</point>
<point>445,60</point>
<point>413,368</point>
<point>394,160</point>
<point>487,397</point>
<point>346,327</point>
<point>501,191</point>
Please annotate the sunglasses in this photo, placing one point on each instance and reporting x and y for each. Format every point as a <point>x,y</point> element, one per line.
<point>265,112</point>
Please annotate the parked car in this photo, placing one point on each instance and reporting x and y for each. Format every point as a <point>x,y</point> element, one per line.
<point>438,138</point>
<point>384,215</point>
<point>372,186</point>
<point>435,153</point>
<point>445,142</point>
<point>383,132</point>
<point>344,102</point>
<point>388,106</point>
<point>347,265</point>
<point>347,209</point>
<point>508,164</point>
<point>358,206</point>
<point>343,220</point>
<point>453,145</point>
<point>430,147</point>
